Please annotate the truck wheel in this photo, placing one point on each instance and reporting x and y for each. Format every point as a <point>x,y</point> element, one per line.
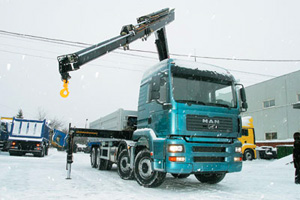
<point>180,175</point>
<point>248,155</point>
<point>210,178</point>
<point>46,151</point>
<point>101,163</point>
<point>42,153</point>
<point>123,164</point>
<point>93,157</point>
<point>143,172</point>
<point>12,153</point>
<point>109,165</point>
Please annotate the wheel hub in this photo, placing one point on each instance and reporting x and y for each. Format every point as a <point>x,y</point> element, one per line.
<point>124,164</point>
<point>145,168</point>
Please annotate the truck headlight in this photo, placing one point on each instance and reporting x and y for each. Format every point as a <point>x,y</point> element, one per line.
<point>175,148</point>
<point>238,149</point>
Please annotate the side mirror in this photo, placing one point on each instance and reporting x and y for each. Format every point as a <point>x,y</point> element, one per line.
<point>243,99</point>
<point>243,94</point>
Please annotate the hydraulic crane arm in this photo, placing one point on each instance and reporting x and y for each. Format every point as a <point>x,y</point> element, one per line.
<point>154,22</point>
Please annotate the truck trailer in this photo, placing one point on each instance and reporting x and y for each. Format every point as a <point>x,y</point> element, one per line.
<point>29,136</point>
<point>118,121</point>
<point>188,116</point>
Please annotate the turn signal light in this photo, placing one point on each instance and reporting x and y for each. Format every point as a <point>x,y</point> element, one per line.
<point>238,159</point>
<point>13,143</point>
<point>176,159</point>
<point>38,145</point>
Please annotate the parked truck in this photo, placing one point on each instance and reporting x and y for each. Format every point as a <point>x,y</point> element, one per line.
<point>59,140</point>
<point>29,136</point>
<point>248,138</point>
<point>4,132</point>
<point>188,117</point>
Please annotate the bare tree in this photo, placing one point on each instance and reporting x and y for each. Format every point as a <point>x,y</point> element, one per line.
<point>41,114</point>
<point>54,123</point>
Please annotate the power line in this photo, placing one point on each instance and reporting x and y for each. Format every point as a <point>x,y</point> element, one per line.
<point>82,44</point>
<point>49,58</point>
<point>136,70</point>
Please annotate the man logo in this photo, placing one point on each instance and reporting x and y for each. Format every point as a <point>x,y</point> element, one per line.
<point>210,121</point>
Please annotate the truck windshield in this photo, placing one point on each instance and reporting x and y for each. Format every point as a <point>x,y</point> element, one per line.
<point>203,91</point>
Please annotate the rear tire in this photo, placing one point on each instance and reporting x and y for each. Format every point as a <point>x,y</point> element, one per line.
<point>143,172</point>
<point>180,176</point>
<point>93,157</point>
<point>47,151</point>
<point>123,166</point>
<point>42,153</point>
<point>109,165</point>
<point>210,178</point>
<point>12,153</point>
<point>101,163</point>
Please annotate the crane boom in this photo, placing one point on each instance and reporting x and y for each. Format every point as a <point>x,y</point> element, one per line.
<point>147,24</point>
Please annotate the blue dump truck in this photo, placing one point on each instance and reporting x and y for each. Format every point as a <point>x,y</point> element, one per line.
<point>28,136</point>
<point>188,118</point>
<point>59,140</point>
<point>5,125</point>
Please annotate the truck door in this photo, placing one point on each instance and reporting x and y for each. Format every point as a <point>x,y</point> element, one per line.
<point>159,105</point>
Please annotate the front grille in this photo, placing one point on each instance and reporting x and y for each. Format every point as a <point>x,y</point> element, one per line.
<point>209,159</point>
<point>208,124</point>
<point>209,149</point>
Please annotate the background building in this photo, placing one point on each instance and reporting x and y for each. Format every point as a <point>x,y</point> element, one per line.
<point>271,106</point>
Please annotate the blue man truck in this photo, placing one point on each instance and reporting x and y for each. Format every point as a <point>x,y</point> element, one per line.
<point>5,125</point>
<point>188,118</point>
<point>29,136</point>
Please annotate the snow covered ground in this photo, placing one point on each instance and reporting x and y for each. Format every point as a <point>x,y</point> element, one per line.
<point>30,177</point>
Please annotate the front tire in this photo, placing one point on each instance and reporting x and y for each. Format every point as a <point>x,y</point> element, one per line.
<point>123,164</point>
<point>210,178</point>
<point>143,172</point>
<point>248,155</point>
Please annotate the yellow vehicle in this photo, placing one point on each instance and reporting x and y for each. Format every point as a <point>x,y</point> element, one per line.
<point>248,139</point>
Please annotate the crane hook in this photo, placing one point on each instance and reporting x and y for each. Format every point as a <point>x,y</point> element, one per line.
<point>65,92</point>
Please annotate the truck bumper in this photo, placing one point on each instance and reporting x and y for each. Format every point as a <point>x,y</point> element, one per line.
<point>201,157</point>
<point>24,150</point>
<point>25,147</point>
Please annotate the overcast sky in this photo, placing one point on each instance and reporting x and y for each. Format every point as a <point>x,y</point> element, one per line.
<point>29,78</point>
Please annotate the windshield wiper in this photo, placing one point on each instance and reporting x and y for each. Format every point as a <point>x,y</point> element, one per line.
<point>190,102</point>
<point>219,105</point>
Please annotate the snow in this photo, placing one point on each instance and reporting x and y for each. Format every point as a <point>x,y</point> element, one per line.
<point>30,177</point>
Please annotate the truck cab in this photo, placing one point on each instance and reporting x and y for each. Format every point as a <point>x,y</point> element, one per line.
<point>188,118</point>
<point>5,126</point>
<point>248,138</point>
